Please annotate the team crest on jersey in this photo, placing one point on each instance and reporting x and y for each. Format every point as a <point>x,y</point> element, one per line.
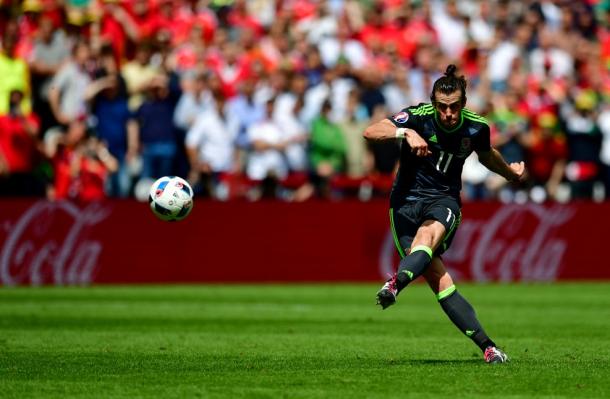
<point>401,117</point>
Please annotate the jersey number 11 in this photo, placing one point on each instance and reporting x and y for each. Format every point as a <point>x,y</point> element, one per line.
<point>444,157</point>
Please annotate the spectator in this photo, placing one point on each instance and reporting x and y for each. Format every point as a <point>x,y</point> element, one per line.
<point>231,67</point>
<point>116,27</point>
<point>263,11</point>
<point>549,61</point>
<point>358,158</point>
<point>584,141</point>
<point>239,18</point>
<point>51,50</point>
<point>275,46</point>
<point>476,180</point>
<point>81,164</point>
<point>371,95</point>
<point>210,146</point>
<point>396,90</point>
<point>67,92</point>
<point>510,135</point>
<point>551,13</point>
<point>332,49</point>
<point>194,101</point>
<point>115,124</point>
<point>191,16</point>
<point>546,152</point>
<point>314,67</point>
<point>423,74</point>
<point>267,163</point>
<point>156,129</point>
<point>385,153</point>
<point>138,74</point>
<point>451,28</point>
<point>15,75</point>
<point>189,54</point>
<point>342,81</point>
<point>319,26</point>
<point>296,134</point>
<point>287,99</point>
<point>248,111</point>
<point>481,24</point>
<point>327,152</point>
<point>316,94</point>
<point>19,150</point>
<point>506,54</point>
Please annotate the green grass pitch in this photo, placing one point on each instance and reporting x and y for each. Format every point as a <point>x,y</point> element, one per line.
<point>299,341</point>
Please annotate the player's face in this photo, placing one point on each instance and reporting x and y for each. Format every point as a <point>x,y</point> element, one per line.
<point>448,108</point>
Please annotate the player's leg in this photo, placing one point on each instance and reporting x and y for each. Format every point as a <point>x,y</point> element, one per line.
<point>404,225</point>
<point>416,242</point>
<point>427,239</point>
<point>411,266</point>
<point>459,311</point>
<point>441,218</point>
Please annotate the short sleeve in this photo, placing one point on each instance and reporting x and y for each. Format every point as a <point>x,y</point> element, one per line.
<point>481,141</point>
<point>406,118</point>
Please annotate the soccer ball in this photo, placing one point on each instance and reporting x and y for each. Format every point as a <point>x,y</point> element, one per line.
<point>171,198</point>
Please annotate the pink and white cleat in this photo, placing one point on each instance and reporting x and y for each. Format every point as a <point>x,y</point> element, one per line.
<point>495,355</point>
<point>386,296</point>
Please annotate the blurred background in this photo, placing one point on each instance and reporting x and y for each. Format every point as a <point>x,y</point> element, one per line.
<point>261,99</point>
<point>268,99</point>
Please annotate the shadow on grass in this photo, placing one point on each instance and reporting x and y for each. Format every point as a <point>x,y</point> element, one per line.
<point>443,361</point>
<point>435,362</point>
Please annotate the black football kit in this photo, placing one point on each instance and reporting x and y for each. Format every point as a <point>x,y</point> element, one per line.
<point>428,188</point>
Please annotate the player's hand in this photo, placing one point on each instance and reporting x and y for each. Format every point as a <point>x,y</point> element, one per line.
<point>418,145</point>
<point>519,170</point>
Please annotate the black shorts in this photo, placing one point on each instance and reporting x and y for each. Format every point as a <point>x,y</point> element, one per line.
<point>409,217</point>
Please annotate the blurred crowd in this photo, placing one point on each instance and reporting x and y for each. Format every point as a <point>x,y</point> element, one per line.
<point>269,98</point>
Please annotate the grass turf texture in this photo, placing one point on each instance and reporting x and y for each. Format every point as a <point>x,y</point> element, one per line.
<point>300,341</point>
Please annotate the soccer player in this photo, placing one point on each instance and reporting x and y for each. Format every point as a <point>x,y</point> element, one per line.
<point>425,200</point>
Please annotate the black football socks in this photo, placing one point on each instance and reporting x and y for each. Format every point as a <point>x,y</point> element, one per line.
<point>413,265</point>
<point>463,316</point>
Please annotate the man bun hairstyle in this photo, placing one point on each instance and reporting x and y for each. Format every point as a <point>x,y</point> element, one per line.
<point>448,83</point>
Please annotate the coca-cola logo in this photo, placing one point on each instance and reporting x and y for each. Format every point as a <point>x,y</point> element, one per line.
<point>517,243</point>
<point>49,244</point>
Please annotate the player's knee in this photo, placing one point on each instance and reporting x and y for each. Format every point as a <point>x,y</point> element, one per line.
<point>423,251</point>
<point>430,235</point>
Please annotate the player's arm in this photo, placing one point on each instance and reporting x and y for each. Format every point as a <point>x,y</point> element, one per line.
<point>386,130</point>
<point>493,160</point>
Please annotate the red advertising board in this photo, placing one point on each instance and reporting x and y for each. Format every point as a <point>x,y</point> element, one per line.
<point>122,242</point>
